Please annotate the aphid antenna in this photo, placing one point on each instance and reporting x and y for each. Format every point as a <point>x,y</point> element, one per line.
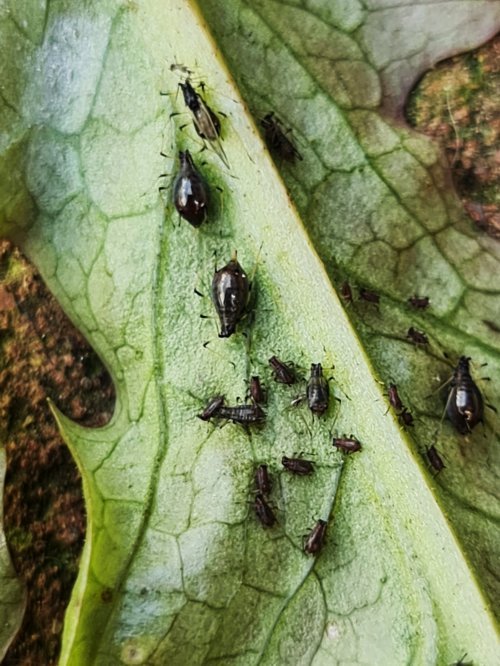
<point>206,346</point>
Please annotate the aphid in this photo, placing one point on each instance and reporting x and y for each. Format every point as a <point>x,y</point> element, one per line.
<point>317,390</point>
<point>492,325</point>
<point>190,191</point>
<point>417,337</point>
<point>230,291</point>
<point>369,296</point>
<point>212,408</point>
<point>263,480</point>
<point>314,541</point>
<point>346,292</point>
<point>277,139</point>
<point>434,458</point>
<point>263,511</point>
<point>393,395</point>
<point>282,373</point>
<point>464,406</point>
<point>405,417</point>
<point>257,392</point>
<point>243,414</point>
<point>206,122</point>
<point>298,466</point>
<point>419,302</point>
<point>347,444</point>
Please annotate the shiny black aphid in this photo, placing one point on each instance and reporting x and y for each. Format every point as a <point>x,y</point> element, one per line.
<point>317,390</point>
<point>346,292</point>
<point>434,458</point>
<point>347,444</point>
<point>190,191</point>
<point>298,466</point>
<point>417,337</point>
<point>316,538</point>
<point>212,408</point>
<point>419,302</point>
<point>263,511</point>
<point>257,392</point>
<point>263,480</point>
<point>230,290</point>
<point>277,139</point>
<point>243,414</point>
<point>406,417</point>
<point>206,122</point>
<point>282,373</point>
<point>393,395</point>
<point>464,406</point>
<point>369,296</point>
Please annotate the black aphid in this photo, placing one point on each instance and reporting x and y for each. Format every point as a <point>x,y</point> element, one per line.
<point>317,390</point>
<point>417,337</point>
<point>369,296</point>
<point>257,392</point>
<point>242,414</point>
<point>230,291</point>
<point>282,373</point>
<point>263,511</point>
<point>406,417</point>
<point>298,466</point>
<point>263,480</point>
<point>212,408</point>
<point>206,122</point>
<point>277,139</point>
<point>190,191</point>
<point>346,292</point>
<point>314,541</point>
<point>464,406</point>
<point>434,458</point>
<point>419,302</point>
<point>347,444</point>
<point>393,395</point>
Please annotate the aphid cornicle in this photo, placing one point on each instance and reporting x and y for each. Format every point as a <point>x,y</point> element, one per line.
<point>263,480</point>
<point>230,291</point>
<point>434,458</point>
<point>263,511</point>
<point>317,390</point>
<point>277,139</point>
<point>282,373</point>
<point>314,541</point>
<point>298,466</point>
<point>190,192</point>
<point>206,122</point>
<point>347,444</point>
<point>212,408</point>
<point>464,406</point>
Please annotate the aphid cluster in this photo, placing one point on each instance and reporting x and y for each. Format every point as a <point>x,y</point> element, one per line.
<point>231,297</point>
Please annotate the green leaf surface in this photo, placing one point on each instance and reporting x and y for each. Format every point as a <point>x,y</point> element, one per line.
<point>12,593</point>
<point>175,567</point>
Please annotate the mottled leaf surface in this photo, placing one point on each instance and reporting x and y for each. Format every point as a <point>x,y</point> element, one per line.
<point>175,568</point>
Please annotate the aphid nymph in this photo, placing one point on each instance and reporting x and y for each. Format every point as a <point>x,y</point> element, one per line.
<point>277,140</point>
<point>317,390</point>
<point>263,480</point>
<point>314,541</point>
<point>464,406</point>
<point>298,466</point>
<point>282,373</point>
<point>347,444</point>
<point>263,511</point>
